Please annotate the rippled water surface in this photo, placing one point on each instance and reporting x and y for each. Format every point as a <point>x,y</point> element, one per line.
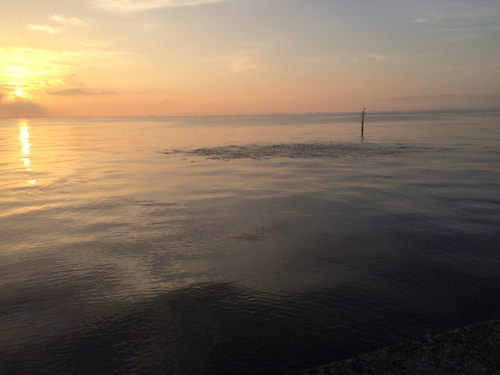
<point>242,244</point>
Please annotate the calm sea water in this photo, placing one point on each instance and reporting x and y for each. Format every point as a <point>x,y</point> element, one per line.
<point>242,244</point>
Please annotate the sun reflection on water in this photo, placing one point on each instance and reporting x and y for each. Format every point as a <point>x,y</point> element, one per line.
<point>25,148</point>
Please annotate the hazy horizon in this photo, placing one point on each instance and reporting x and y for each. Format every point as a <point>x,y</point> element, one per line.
<point>132,58</point>
<point>451,110</point>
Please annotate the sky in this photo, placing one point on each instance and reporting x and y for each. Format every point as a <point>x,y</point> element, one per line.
<point>220,57</point>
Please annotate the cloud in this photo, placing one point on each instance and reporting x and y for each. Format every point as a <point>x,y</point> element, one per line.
<point>59,63</point>
<point>73,82</point>
<point>461,15</point>
<point>430,18</point>
<point>48,29</point>
<point>128,6</point>
<point>68,92</point>
<point>9,86</point>
<point>71,92</point>
<point>424,20</point>
<point>238,62</point>
<point>60,86</point>
<point>461,38</point>
<point>457,21</point>
<point>20,108</point>
<point>7,92</point>
<point>73,21</point>
<point>379,58</point>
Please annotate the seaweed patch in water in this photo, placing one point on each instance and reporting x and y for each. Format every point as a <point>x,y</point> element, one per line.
<point>299,150</point>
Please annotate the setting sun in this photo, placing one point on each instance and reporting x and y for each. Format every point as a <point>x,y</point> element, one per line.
<point>18,92</point>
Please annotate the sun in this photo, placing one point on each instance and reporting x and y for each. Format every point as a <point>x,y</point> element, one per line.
<point>18,92</point>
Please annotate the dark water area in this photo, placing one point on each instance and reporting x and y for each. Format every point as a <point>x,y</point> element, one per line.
<point>242,244</point>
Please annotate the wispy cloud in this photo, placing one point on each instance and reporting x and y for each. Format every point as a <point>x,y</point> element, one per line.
<point>9,87</point>
<point>237,62</point>
<point>129,6</point>
<point>72,81</point>
<point>46,28</point>
<point>41,62</point>
<point>71,86</point>
<point>73,21</point>
<point>457,22</point>
<point>432,18</point>
<point>379,58</point>
<point>459,15</point>
<point>72,92</point>
<point>462,38</point>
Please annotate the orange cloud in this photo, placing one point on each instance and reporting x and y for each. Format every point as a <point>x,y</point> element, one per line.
<point>46,28</point>
<point>79,92</point>
<point>73,21</point>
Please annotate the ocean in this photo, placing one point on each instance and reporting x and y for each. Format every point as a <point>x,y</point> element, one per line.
<point>242,244</point>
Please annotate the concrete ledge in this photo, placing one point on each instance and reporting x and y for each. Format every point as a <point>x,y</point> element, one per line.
<point>471,350</point>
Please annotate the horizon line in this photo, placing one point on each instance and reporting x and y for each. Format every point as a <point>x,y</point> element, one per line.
<point>258,114</point>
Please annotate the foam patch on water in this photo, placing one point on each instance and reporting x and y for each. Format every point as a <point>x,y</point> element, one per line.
<point>299,150</point>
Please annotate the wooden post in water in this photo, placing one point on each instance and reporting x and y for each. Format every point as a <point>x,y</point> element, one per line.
<point>362,121</point>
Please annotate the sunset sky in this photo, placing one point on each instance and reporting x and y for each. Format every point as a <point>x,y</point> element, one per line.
<point>197,57</point>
